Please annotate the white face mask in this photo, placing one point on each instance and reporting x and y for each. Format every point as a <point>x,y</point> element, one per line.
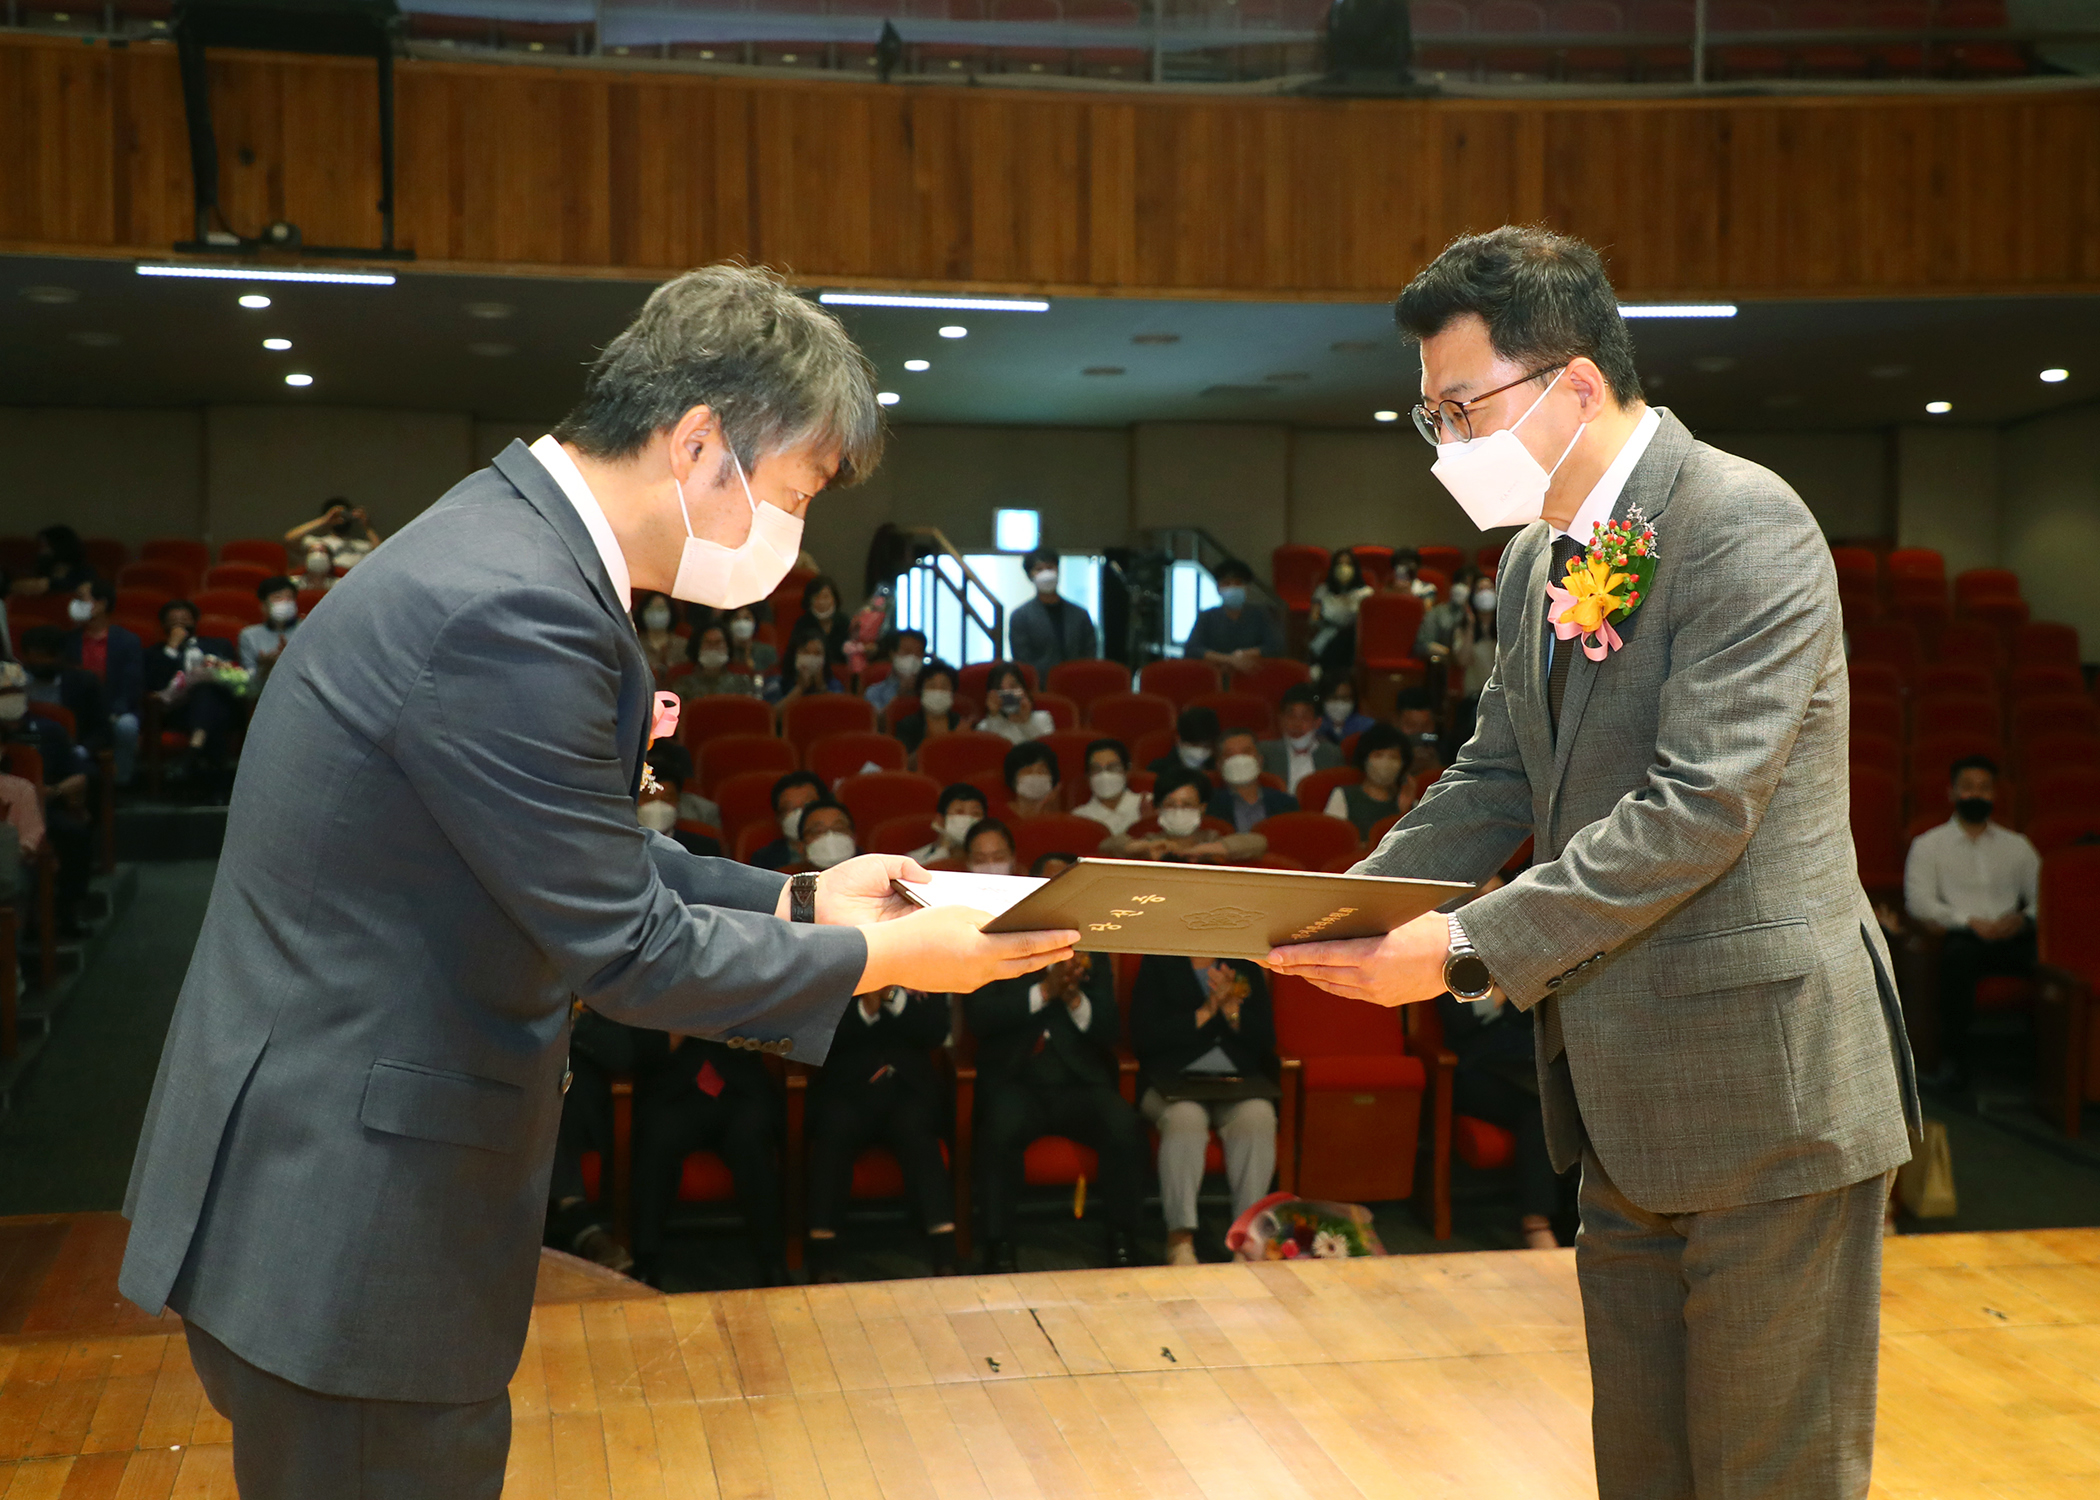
<point>956,827</point>
<point>1338,710</point>
<point>731,577</point>
<point>991,867</point>
<point>661,816</point>
<point>742,630</point>
<point>823,611</point>
<point>1033,786</point>
<point>80,611</point>
<point>1382,770</point>
<point>1240,770</point>
<point>713,661</point>
<point>1046,581</point>
<point>791,822</point>
<point>1495,479</point>
<point>1180,822</point>
<point>283,612</point>
<point>1484,601</point>
<point>811,667</point>
<point>1108,786</point>
<point>317,563</point>
<point>833,847</point>
<point>905,667</point>
<point>1194,756</point>
<point>1302,742</point>
<point>936,700</point>
<point>12,707</point>
<point>657,617</point>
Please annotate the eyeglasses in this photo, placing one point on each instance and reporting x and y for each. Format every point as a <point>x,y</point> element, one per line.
<point>1454,417</point>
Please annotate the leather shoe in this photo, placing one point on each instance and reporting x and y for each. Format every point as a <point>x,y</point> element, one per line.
<point>1000,1258</point>
<point>1122,1248</point>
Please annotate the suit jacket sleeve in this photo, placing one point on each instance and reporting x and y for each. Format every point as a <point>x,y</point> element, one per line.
<point>508,737</point>
<point>1745,661</point>
<point>713,882</point>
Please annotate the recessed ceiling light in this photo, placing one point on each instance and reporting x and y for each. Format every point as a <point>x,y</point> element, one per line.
<point>918,365</point>
<point>492,350</point>
<point>280,345</point>
<point>2055,377</point>
<point>1385,416</point>
<point>888,398</point>
<point>1677,310</point>
<point>489,311</point>
<point>1102,370</point>
<point>1939,408</point>
<point>50,296</point>
<point>298,380</point>
<point>255,301</point>
<point>1155,338</point>
<point>95,338</point>
<point>954,331</point>
<point>252,273</point>
<point>951,304</point>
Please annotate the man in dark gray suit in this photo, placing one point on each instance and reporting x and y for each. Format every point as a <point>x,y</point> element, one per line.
<point>1718,1043</point>
<point>1048,629</point>
<point>433,850</point>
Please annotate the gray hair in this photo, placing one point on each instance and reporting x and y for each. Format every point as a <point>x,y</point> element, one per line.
<point>778,371</point>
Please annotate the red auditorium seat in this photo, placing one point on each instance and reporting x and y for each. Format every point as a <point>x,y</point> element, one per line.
<point>786,600</point>
<point>265,552</point>
<point>1963,642</point>
<point>2063,830</point>
<point>1147,748</point>
<point>876,797</point>
<point>237,575</point>
<point>105,554</point>
<point>1311,838</point>
<point>1129,717</point>
<point>1490,556</point>
<point>1084,681</point>
<point>1986,583</point>
<point>1477,1143</point>
<point>1386,627</point>
<point>1360,1094</point>
<point>1063,712</point>
<point>967,755</point>
<point>1951,713</point>
<point>1877,829</point>
<point>2068,925</point>
<point>184,552</point>
<point>2045,682</point>
<point>1316,788</point>
<point>716,714</point>
<point>1877,716</point>
<point>1957,680</point>
<point>310,600</point>
<point>970,681</point>
<point>17,555</point>
<point>898,835</point>
<point>727,755</point>
<point>1237,711</point>
<point>1376,561</point>
<point>1448,561</point>
<point>1178,680</point>
<point>2058,752</point>
<point>1876,679</point>
<point>2046,644</point>
<point>1271,678</point>
<point>225,628</point>
<point>755,836</point>
<point>807,720</point>
<point>2071,713</point>
<point>242,604</point>
<point>1916,573</point>
<point>1927,617</point>
<point>2057,789</point>
<point>1056,833</point>
<point>2005,616</point>
<point>167,578</point>
<point>1891,643</point>
<point>903,706</point>
<point>1295,570</point>
<point>1858,568</point>
<point>1932,755</point>
<point>836,757</point>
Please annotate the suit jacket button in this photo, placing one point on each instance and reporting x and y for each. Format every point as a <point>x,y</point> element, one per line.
<point>1596,958</point>
<point>1554,982</point>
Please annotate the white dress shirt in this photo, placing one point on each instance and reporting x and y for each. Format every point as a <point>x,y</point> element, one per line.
<point>562,469</point>
<point>1951,879</point>
<point>1605,495</point>
<point>1117,818</point>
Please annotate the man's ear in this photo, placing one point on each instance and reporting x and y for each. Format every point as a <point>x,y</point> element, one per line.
<point>1591,389</point>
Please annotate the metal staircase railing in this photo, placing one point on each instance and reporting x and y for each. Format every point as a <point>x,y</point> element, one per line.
<point>940,595</point>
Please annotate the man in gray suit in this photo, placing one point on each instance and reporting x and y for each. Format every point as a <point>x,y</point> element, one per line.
<point>1718,1043</point>
<point>433,852</point>
<point>1048,628</point>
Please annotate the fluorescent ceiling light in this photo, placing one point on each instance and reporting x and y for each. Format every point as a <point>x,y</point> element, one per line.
<point>953,304</point>
<point>887,398</point>
<point>2054,377</point>
<point>280,345</point>
<point>255,273</point>
<point>916,365</point>
<point>1939,408</point>
<point>1677,310</point>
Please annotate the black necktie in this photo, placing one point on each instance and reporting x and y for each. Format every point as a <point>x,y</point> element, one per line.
<point>1563,652</point>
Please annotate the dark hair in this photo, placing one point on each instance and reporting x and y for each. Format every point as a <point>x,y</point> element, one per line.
<point>794,779</point>
<point>699,634</point>
<point>1381,737</point>
<point>1029,753</point>
<point>1237,729</point>
<point>933,668</point>
<point>825,799</point>
<point>1416,698</point>
<point>1004,669</point>
<point>988,825</point>
<point>957,792</point>
<point>1299,692</point>
<point>1972,763</point>
<point>275,585</point>
<point>64,543</point>
<point>1197,726</point>
<point>1411,556</point>
<point>899,637</point>
<point>177,604</point>
<point>817,584</point>
<point>1174,778</point>
<point>101,588</point>
<point>1038,556</point>
<point>641,603</point>
<point>1341,553</point>
<point>1122,751</point>
<point>1044,859</point>
<point>805,631</point>
<point>778,372</point>
<point>1232,567</point>
<point>1544,297</point>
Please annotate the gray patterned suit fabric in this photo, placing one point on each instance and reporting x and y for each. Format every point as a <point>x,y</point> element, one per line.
<point>432,848</point>
<point>1694,908</point>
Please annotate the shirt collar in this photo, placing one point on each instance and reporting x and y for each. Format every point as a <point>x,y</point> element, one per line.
<point>1603,499</point>
<point>562,469</point>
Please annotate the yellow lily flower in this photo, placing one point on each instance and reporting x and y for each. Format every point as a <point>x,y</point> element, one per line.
<point>1595,589</point>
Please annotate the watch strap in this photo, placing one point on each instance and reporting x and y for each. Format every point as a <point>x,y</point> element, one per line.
<point>802,898</point>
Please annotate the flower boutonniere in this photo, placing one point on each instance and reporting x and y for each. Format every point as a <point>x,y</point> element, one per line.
<point>1605,585</point>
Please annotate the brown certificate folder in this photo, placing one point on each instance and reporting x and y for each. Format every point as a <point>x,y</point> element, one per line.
<point>1214,911</point>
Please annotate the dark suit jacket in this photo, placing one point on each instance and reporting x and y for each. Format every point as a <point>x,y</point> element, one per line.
<point>1163,1029</point>
<point>1006,1029</point>
<point>1033,637</point>
<point>123,675</point>
<point>158,668</point>
<point>1272,802</point>
<point>432,849</point>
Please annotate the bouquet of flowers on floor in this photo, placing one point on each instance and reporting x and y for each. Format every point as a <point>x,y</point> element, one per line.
<point>1284,1226</point>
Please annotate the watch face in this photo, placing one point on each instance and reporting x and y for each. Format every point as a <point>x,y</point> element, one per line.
<point>1467,976</point>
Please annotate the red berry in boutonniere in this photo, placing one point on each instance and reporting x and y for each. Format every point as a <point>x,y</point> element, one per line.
<point>1605,585</point>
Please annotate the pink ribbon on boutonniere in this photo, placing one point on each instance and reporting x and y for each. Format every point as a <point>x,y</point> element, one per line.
<point>1561,604</point>
<point>666,722</point>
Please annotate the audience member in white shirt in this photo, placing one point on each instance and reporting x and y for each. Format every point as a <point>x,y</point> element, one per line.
<point>1299,751</point>
<point>1008,710</point>
<point>1976,884</point>
<point>1113,804</point>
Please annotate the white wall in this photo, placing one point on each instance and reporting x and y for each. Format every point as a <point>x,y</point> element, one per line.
<point>267,468</point>
<point>1947,484</point>
<point>1841,476</point>
<point>2049,517</point>
<point>129,474</point>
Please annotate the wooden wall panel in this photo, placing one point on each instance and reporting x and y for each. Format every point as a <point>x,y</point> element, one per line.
<point>598,172</point>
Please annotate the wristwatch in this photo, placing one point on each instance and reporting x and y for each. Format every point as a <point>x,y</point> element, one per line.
<point>802,898</point>
<point>1466,973</point>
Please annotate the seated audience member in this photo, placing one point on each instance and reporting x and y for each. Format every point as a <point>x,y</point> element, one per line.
<point>907,660</point>
<point>747,653</point>
<point>1049,866</point>
<point>261,645</point>
<point>989,849</point>
<point>792,793</point>
<point>714,670</point>
<point>1335,602</point>
<point>61,565</point>
<point>1381,754</point>
<point>1196,734</point>
<point>320,571</point>
<point>65,765</point>
<point>180,672</point>
<point>1236,632</point>
<point>936,712</point>
<point>696,1095</point>
<point>1175,831</point>
<point>822,614</point>
<point>878,1086</point>
<point>1468,656</point>
<point>1114,805</point>
<point>599,1051</point>
<point>1049,629</point>
<point>75,689</point>
<point>116,657</point>
<point>654,618</point>
<point>1046,1066</point>
<point>1414,711</point>
<point>343,530</point>
<point>810,672</point>
<point>1205,1037</point>
<point>1977,885</point>
<point>1407,563</point>
<point>1298,751</point>
<point>676,799</point>
<point>1241,799</point>
<point>961,807</point>
<point>826,834</point>
<point>1008,710</point>
<point>1032,779</point>
<point>1338,716</point>
<point>1497,1080</point>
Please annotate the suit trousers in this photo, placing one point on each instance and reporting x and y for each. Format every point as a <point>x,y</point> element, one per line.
<point>1733,1352</point>
<point>291,1443</point>
<point>902,1112</point>
<point>1487,1095</point>
<point>1012,1113</point>
<point>672,1119</point>
<point>1246,1133</point>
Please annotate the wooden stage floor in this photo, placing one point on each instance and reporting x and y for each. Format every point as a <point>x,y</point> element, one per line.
<point>1458,1375</point>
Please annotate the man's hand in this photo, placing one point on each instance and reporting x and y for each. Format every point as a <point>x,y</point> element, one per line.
<point>857,891</point>
<point>1405,965</point>
<point>941,948</point>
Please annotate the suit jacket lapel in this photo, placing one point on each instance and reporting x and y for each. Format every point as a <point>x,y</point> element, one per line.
<point>1528,713</point>
<point>1649,487</point>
